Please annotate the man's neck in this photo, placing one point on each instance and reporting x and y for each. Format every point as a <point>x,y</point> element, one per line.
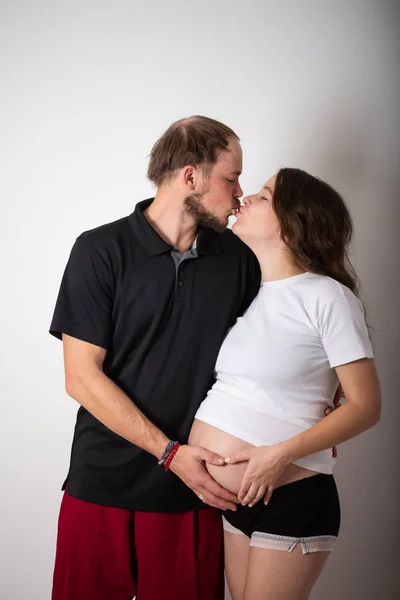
<point>167,216</point>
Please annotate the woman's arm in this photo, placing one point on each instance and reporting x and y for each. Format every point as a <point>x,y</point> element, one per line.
<point>361,411</point>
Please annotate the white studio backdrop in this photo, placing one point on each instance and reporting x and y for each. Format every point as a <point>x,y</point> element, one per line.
<point>86,88</point>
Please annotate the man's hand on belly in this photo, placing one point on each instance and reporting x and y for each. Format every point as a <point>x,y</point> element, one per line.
<point>189,465</point>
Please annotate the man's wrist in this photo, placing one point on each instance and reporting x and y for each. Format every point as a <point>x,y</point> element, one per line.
<point>169,450</point>
<point>169,454</point>
<point>158,444</point>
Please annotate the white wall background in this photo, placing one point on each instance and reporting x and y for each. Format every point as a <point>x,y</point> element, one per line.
<point>86,88</point>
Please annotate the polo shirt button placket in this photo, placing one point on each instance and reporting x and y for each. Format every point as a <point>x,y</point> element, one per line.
<point>179,285</point>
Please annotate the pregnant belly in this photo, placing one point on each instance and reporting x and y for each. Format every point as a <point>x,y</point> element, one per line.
<point>222,443</point>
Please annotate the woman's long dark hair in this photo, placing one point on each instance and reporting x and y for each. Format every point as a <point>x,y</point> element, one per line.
<point>316,225</point>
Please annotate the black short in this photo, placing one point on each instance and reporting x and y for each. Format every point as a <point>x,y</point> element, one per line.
<point>305,511</point>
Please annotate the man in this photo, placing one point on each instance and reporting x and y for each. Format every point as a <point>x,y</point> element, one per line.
<point>143,308</point>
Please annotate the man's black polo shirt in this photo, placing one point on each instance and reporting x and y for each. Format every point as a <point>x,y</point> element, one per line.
<point>162,327</point>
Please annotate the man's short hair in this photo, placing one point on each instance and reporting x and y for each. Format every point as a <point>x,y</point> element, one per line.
<point>193,141</point>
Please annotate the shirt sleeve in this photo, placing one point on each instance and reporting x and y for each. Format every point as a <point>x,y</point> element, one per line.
<point>343,330</point>
<point>84,304</point>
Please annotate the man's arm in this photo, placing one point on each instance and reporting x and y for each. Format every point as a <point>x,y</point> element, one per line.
<point>86,382</point>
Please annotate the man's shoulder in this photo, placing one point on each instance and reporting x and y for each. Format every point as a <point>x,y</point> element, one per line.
<point>116,230</point>
<point>105,243</point>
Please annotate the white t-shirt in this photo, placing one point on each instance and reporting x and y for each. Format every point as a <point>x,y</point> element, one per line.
<point>275,374</point>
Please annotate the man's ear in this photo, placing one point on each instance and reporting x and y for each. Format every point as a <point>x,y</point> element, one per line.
<point>190,176</point>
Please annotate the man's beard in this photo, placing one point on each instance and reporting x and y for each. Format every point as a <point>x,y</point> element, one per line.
<point>195,209</point>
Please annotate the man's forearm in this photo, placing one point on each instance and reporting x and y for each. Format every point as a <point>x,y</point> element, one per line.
<point>111,406</point>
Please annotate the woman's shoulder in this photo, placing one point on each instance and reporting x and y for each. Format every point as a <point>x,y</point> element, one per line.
<point>322,293</point>
<point>325,288</point>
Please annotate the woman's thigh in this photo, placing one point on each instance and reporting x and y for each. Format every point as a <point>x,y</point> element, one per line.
<point>236,550</point>
<point>290,540</point>
<point>280,575</point>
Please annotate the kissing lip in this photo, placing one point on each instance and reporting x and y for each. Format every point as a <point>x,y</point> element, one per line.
<point>236,207</point>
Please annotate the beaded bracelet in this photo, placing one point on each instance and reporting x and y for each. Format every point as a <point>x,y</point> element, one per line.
<point>171,456</point>
<point>168,454</point>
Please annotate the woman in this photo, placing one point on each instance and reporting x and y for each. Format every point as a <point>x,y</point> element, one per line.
<point>277,370</point>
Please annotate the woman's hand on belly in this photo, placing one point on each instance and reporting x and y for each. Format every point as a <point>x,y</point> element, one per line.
<point>265,466</point>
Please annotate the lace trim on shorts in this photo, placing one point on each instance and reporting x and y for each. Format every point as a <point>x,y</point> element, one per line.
<point>270,541</point>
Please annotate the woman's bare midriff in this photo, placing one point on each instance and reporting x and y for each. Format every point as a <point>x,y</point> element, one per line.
<point>230,476</point>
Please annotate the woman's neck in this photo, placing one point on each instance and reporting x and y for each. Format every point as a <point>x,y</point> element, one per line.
<point>276,263</point>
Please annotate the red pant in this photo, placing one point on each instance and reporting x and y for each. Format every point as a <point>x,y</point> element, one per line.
<point>106,553</point>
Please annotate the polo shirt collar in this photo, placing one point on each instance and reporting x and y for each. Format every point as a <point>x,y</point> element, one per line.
<point>151,242</point>
<point>208,241</point>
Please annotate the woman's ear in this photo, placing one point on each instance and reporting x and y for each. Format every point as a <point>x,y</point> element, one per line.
<point>284,237</point>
